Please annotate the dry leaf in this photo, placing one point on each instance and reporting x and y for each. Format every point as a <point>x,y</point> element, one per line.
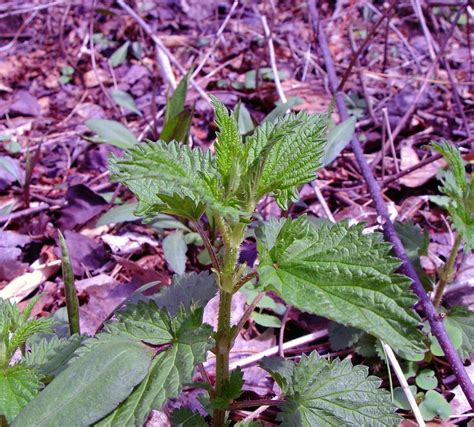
<point>409,158</point>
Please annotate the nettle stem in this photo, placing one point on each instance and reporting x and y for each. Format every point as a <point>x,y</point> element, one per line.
<point>446,273</point>
<point>229,276</point>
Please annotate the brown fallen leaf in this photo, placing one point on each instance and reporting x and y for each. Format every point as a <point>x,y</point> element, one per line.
<point>94,78</point>
<point>105,295</point>
<point>143,275</point>
<point>23,285</point>
<point>409,158</point>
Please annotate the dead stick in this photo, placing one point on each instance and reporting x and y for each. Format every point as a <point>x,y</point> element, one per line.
<point>437,327</point>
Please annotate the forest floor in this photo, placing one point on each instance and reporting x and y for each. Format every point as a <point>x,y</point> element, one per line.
<point>63,63</point>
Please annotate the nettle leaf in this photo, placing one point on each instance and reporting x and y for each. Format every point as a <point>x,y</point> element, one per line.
<point>92,386</point>
<point>16,328</point>
<point>170,178</point>
<point>231,390</point>
<point>463,318</point>
<point>336,271</point>
<point>193,289</point>
<point>18,385</point>
<point>170,369</point>
<point>286,154</point>
<point>142,321</point>
<point>321,392</point>
<point>49,357</point>
<point>185,417</point>
<point>460,192</point>
<point>342,337</point>
<point>229,143</point>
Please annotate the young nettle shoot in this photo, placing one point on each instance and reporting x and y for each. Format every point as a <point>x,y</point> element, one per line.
<point>150,350</point>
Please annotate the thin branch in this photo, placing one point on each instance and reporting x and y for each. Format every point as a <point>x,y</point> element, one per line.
<point>244,280</point>
<point>437,327</point>
<point>218,39</point>
<point>362,47</point>
<point>397,32</point>
<point>272,351</point>
<point>253,403</point>
<point>260,409</point>
<point>421,17</point>
<point>361,76</point>
<point>271,50</point>
<point>447,271</point>
<point>207,243</point>
<point>403,121</point>
<point>162,48</point>
<point>403,384</point>
<point>248,312</point>
<point>322,201</point>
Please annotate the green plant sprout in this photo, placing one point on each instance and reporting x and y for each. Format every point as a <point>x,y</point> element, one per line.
<point>458,200</point>
<point>150,350</point>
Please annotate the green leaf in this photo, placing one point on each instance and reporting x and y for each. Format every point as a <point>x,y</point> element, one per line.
<point>185,417</point>
<point>245,121</point>
<point>338,138</point>
<point>266,320</point>
<point>463,318</point>
<point>169,178</point>
<point>414,239</point>
<point>92,386</point>
<point>120,55</point>
<point>177,127</point>
<point>18,385</point>
<point>125,100</point>
<point>322,393</point>
<point>175,103</point>
<point>49,358</point>
<point>281,109</point>
<point>24,330</point>
<point>169,371</point>
<point>336,271</point>
<point>415,242</point>
<point>455,162</point>
<point>231,390</point>
<point>434,405</point>
<point>175,248</point>
<point>12,168</point>
<point>228,145</point>
<point>119,214</point>
<point>455,334</point>
<point>285,154</point>
<point>460,193</point>
<point>400,399</point>
<point>72,300</point>
<point>177,121</point>
<point>112,132</point>
<point>142,321</point>
<point>188,290</point>
<point>426,379</point>
<point>342,337</point>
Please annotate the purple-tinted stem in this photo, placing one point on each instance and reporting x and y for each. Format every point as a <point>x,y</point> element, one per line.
<point>437,327</point>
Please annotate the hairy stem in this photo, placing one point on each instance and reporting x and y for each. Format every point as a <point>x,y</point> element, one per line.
<point>446,273</point>
<point>228,278</point>
<point>222,352</point>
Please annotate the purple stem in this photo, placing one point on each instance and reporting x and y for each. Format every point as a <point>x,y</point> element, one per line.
<point>437,327</point>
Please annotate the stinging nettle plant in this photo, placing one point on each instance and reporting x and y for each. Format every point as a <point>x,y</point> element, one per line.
<point>150,350</point>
